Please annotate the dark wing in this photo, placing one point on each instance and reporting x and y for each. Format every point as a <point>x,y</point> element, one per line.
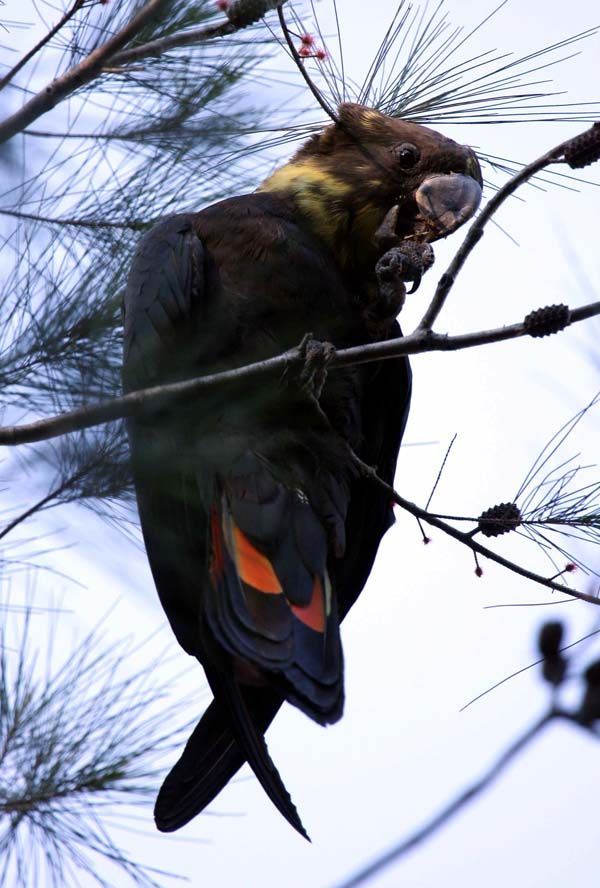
<point>239,554</point>
<point>165,303</point>
<point>213,756</point>
<point>385,410</point>
<point>167,307</point>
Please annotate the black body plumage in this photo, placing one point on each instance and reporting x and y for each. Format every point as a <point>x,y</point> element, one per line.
<point>259,531</point>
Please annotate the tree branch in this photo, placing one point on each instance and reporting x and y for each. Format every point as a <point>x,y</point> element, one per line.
<point>467,539</point>
<point>68,15</point>
<point>108,57</point>
<point>440,819</point>
<point>475,232</point>
<point>155,48</point>
<point>80,74</point>
<point>577,152</point>
<point>419,342</point>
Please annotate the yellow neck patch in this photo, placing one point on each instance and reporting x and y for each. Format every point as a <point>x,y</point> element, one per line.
<point>325,202</point>
<point>305,176</point>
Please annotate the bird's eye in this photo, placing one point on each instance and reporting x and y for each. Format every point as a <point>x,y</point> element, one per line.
<point>406,155</point>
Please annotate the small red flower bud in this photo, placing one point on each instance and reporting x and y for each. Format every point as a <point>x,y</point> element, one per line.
<point>478,571</point>
<point>223,5</point>
<point>321,54</point>
<point>307,39</point>
<point>304,52</point>
<point>570,567</point>
<point>426,541</point>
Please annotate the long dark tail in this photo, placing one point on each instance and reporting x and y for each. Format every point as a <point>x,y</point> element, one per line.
<point>267,601</point>
<point>229,733</point>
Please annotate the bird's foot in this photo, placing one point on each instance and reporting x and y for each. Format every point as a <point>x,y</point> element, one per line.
<point>402,261</point>
<point>315,357</point>
<point>405,263</point>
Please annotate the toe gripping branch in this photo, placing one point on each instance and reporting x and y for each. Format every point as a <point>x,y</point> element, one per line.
<point>315,357</point>
<point>402,264</point>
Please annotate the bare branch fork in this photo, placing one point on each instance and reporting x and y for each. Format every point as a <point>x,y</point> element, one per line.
<point>466,537</point>
<point>68,15</point>
<point>112,54</point>
<point>580,151</point>
<point>135,403</point>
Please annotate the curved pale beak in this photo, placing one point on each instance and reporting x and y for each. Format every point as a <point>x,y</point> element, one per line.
<point>446,201</point>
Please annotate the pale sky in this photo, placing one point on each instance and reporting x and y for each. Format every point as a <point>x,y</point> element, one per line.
<point>419,643</point>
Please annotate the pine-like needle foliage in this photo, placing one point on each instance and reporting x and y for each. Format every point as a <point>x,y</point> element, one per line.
<point>136,143</point>
<point>559,498</point>
<point>175,131</point>
<point>426,70</point>
<point>139,141</point>
<point>81,743</point>
<point>557,505</point>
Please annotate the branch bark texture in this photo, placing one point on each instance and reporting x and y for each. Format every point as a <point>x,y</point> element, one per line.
<point>80,74</point>
<point>419,342</point>
<point>68,15</point>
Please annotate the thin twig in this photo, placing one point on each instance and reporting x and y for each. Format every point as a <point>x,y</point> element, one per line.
<point>475,232</point>
<point>532,665</point>
<point>420,342</point>
<point>446,814</point>
<point>466,538</point>
<point>133,224</point>
<point>53,494</point>
<point>299,64</point>
<point>420,514</point>
<point>68,15</point>
<point>442,467</point>
<point>80,74</point>
<point>155,48</point>
<point>36,507</point>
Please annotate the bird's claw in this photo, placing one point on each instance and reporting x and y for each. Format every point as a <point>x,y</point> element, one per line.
<point>315,356</point>
<point>405,263</point>
<point>418,258</point>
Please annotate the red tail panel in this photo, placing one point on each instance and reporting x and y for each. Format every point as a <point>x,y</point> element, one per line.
<point>313,615</point>
<point>253,567</point>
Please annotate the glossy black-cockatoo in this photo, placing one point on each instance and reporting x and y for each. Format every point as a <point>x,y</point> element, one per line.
<point>259,531</point>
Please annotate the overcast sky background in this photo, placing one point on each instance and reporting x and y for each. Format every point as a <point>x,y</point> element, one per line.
<point>419,644</point>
